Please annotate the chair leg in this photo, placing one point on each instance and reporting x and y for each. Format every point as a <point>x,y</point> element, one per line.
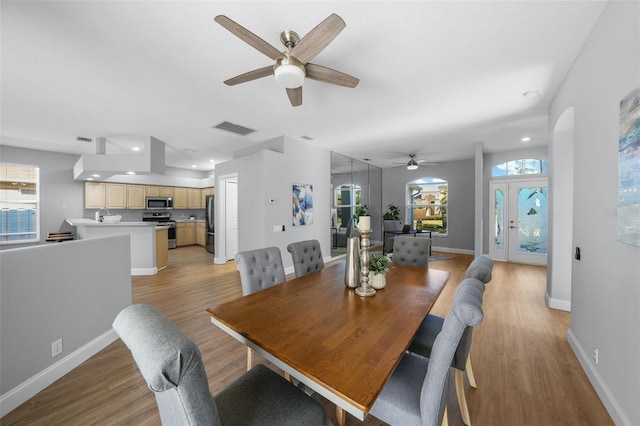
<point>462,400</point>
<point>341,416</point>
<point>249,358</point>
<point>469,370</point>
<point>445,417</point>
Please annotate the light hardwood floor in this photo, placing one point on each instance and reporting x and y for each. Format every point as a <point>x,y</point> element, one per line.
<point>525,370</point>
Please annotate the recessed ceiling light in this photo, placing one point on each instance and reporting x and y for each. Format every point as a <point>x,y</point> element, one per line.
<point>526,139</point>
<point>194,166</point>
<point>89,178</point>
<point>131,173</point>
<point>135,148</point>
<point>95,175</point>
<point>212,161</point>
<point>531,94</point>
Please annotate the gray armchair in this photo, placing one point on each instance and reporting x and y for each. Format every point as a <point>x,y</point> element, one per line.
<point>171,365</point>
<point>341,237</point>
<point>390,225</point>
<point>411,250</point>
<point>307,256</point>
<point>259,269</point>
<point>480,271</point>
<point>416,392</point>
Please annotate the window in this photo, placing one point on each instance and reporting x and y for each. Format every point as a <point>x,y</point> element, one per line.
<point>427,207</point>
<point>19,198</point>
<point>528,166</point>
<point>348,200</point>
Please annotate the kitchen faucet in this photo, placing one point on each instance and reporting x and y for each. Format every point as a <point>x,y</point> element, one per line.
<point>98,216</point>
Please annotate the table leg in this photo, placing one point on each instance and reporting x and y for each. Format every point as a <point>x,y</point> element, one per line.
<point>341,416</point>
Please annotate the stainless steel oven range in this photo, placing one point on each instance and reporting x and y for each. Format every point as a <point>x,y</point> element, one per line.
<point>163,218</point>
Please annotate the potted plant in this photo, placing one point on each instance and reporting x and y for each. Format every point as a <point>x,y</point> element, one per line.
<point>378,268</point>
<point>393,213</point>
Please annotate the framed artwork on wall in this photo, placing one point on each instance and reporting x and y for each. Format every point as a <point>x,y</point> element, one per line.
<point>628,213</point>
<point>302,204</point>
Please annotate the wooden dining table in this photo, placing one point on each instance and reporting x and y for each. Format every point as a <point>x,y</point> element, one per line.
<point>340,345</point>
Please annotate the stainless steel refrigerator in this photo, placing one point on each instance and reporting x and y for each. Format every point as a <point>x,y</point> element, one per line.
<point>210,224</point>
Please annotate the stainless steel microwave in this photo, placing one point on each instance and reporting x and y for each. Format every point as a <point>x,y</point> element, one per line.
<point>159,203</point>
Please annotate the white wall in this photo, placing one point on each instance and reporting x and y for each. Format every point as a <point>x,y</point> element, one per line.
<point>558,295</point>
<point>460,176</point>
<point>605,287</point>
<point>71,290</point>
<point>271,173</point>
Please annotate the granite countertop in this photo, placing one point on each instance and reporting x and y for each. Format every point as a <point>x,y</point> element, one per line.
<point>188,220</point>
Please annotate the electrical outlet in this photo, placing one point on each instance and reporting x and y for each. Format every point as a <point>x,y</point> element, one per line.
<point>56,348</point>
<point>595,355</point>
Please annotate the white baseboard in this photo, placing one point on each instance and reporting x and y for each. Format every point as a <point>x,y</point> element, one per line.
<point>26,390</point>
<point>563,305</point>
<point>452,250</point>
<point>144,271</point>
<point>610,403</point>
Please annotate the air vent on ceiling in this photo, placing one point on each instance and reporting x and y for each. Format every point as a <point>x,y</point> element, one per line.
<point>309,138</point>
<point>234,128</point>
<point>83,139</point>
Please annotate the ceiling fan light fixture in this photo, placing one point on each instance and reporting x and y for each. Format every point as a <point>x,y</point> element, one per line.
<point>289,76</point>
<point>412,165</point>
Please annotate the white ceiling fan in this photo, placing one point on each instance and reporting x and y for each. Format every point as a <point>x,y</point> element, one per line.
<point>414,163</point>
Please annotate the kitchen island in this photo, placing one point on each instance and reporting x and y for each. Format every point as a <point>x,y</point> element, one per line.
<point>142,239</point>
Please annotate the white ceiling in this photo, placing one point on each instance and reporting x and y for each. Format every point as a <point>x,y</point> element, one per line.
<point>436,77</point>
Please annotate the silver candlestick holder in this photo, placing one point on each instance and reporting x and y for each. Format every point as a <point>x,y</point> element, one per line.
<point>365,289</point>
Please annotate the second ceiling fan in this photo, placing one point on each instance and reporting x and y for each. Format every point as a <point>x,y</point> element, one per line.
<point>292,66</point>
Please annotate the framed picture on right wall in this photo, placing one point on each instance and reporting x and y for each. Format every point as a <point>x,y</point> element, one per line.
<point>629,170</point>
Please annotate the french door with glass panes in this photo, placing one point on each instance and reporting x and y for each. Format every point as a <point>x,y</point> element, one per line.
<point>518,225</point>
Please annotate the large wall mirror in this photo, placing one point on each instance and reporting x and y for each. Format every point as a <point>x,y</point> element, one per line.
<point>356,189</point>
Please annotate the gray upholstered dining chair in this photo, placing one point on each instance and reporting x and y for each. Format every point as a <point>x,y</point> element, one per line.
<point>416,392</point>
<point>259,269</point>
<point>423,341</point>
<point>411,250</point>
<point>307,256</point>
<point>172,366</point>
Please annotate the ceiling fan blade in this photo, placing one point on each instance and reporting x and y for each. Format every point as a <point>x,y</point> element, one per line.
<point>327,75</point>
<point>249,37</point>
<point>318,38</point>
<point>295,96</point>
<point>251,75</point>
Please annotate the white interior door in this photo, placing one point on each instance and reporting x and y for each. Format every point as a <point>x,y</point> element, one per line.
<point>231,216</point>
<point>519,225</point>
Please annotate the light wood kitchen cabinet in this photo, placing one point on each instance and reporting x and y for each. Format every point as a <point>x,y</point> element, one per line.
<point>166,191</point>
<point>135,197</point>
<point>94,195</point>
<point>162,248</point>
<point>205,192</point>
<point>201,233</point>
<point>159,191</point>
<point>185,233</point>
<point>194,196</point>
<point>180,199</point>
<point>115,195</point>
<point>152,191</point>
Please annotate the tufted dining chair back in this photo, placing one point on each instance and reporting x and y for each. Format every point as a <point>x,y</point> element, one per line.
<point>307,256</point>
<point>411,250</point>
<point>260,269</point>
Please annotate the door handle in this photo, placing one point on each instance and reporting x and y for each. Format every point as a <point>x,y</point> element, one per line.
<point>513,227</point>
